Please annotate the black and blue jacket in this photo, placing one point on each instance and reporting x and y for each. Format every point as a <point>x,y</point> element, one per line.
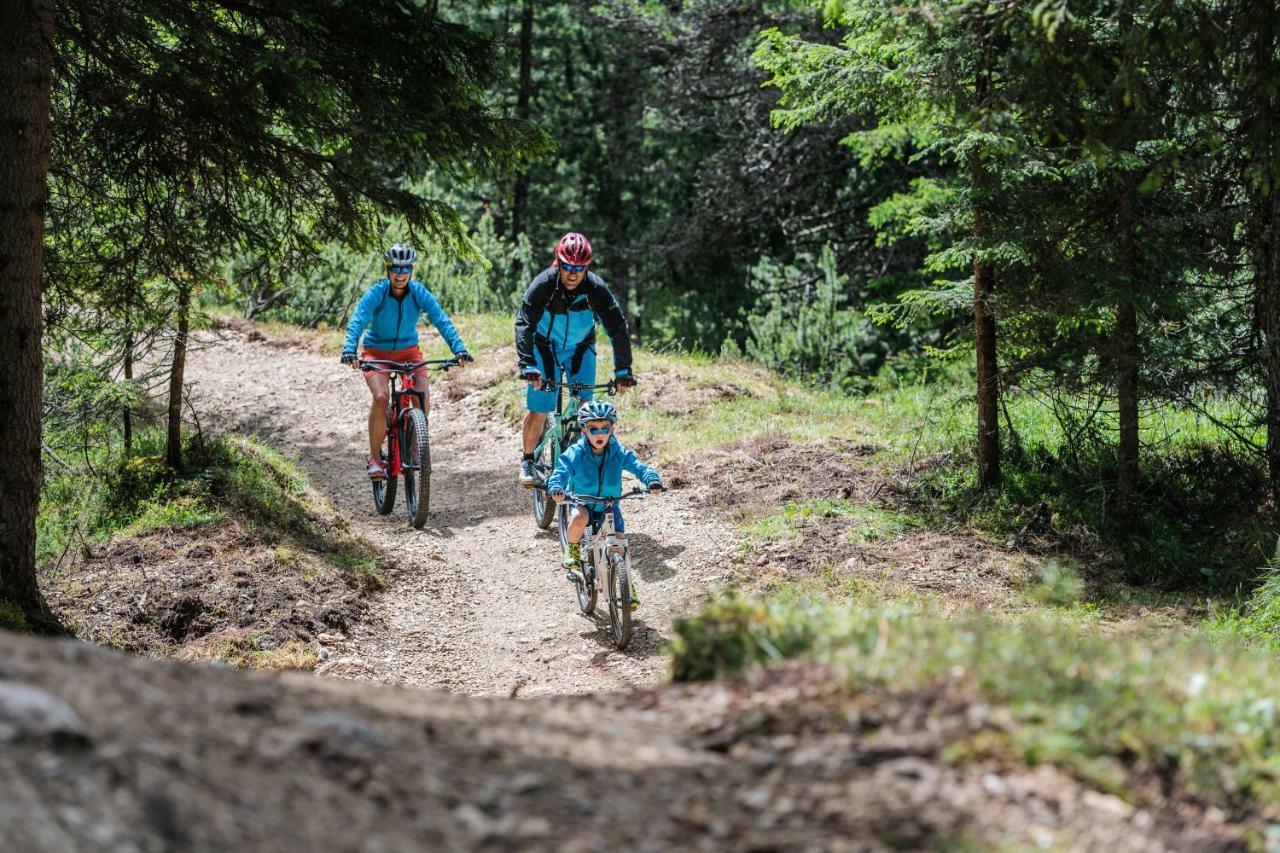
<point>561,323</point>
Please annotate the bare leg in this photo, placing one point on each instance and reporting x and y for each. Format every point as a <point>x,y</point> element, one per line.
<point>379,386</point>
<point>577,524</point>
<point>420,383</point>
<point>532,429</point>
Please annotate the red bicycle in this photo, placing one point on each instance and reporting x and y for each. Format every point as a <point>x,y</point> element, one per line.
<point>406,449</point>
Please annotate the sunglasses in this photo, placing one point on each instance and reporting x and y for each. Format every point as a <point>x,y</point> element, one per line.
<point>401,270</point>
<point>600,430</point>
<point>572,267</point>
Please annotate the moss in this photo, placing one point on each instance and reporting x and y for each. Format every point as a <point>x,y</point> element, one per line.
<point>12,617</point>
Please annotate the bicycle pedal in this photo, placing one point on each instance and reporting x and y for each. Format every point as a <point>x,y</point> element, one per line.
<point>574,577</point>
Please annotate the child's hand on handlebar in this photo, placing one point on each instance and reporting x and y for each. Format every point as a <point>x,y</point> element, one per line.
<point>558,497</point>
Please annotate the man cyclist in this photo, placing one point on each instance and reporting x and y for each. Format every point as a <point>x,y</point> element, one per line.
<point>556,333</point>
<point>389,310</point>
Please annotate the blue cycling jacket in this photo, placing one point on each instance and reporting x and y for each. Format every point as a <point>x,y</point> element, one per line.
<point>393,323</point>
<point>562,322</point>
<point>580,471</point>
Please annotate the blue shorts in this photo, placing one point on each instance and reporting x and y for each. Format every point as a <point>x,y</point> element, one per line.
<point>545,401</point>
<point>595,517</point>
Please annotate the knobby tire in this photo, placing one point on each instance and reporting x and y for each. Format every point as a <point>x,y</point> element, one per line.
<point>384,490</point>
<point>544,508</point>
<point>618,588</point>
<point>587,589</point>
<point>415,453</point>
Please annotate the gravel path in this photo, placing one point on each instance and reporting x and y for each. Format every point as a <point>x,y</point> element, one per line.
<point>478,604</point>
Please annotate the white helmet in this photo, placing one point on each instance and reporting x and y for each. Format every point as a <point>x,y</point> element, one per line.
<point>400,254</point>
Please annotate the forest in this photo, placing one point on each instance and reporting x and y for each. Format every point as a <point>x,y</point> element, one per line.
<point>1022,255</point>
<point>1073,202</point>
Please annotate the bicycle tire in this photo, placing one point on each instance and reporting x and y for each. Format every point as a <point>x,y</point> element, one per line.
<point>384,490</point>
<point>618,588</point>
<point>544,508</point>
<point>562,525</point>
<point>587,589</point>
<point>415,462</point>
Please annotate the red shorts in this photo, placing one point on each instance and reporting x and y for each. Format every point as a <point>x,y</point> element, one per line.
<point>407,354</point>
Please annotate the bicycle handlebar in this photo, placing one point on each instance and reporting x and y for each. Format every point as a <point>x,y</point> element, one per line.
<point>406,366</point>
<point>637,492</point>
<point>610,388</point>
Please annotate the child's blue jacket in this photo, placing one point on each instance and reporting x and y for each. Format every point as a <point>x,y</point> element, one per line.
<point>582,472</point>
<point>393,323</point>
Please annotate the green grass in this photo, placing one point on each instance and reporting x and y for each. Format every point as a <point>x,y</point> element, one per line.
<point>223,478</point>
<point>1116,711</point>
<point>868,523</point>
<point>178,513</point>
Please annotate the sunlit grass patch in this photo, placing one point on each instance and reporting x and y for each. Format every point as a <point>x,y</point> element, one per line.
<point>1116,711</point>
<point>178,513</point>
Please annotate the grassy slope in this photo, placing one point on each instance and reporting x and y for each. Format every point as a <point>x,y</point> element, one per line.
<point>235,558</point>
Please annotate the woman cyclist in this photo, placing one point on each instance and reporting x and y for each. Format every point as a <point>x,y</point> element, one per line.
<point>389,311</point>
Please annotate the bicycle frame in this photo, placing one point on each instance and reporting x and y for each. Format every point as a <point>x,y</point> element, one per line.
<point>400,375</point>
<point>607,538</point>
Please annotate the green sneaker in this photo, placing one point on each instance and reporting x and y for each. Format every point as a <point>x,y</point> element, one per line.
<point>635,596</point>
<point>573,557</point>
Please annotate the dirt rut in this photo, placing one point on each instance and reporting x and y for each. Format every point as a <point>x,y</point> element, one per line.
<point>478,604</point>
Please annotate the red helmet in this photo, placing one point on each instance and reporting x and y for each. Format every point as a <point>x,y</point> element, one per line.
<point>574,249</point>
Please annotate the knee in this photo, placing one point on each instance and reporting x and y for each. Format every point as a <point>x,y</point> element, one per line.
<point>380,400</point>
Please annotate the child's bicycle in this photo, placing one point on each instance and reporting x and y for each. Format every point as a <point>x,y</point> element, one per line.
<point>406,450</point>
<point>606,565</point>
<point>561,431</point>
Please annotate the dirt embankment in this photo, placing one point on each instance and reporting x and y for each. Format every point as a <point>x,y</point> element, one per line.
<point>99,751</point>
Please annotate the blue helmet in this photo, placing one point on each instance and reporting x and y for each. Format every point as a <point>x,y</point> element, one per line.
<point>597,410</point>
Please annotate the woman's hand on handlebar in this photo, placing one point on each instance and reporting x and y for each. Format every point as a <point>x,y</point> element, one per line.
<point>655,488</point>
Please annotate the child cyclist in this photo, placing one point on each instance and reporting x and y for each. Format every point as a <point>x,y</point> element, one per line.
<point>389,310</point>
<point>593,465</point>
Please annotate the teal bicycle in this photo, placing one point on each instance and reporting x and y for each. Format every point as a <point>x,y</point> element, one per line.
<point>561,431</point>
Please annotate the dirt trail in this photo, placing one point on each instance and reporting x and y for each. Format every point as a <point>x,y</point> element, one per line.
<point>478,605</point>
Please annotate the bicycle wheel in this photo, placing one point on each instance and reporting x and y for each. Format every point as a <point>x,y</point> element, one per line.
<point>618,588</point>
<point>544,509</point>
<point>415,465</point>
<point>384,490</point>
<point>587,589</point>
<point>562,525</point>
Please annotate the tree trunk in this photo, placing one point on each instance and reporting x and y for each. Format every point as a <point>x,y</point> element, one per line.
<point>1127,357</point>
<point>1265,231</point>
<point>173,447</point>
<point>25,68</point>
<point>128,376</point>
<point>984,329</point>
<point>520,200</point>
<point>1267,271</point>
<point>988,375</point>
